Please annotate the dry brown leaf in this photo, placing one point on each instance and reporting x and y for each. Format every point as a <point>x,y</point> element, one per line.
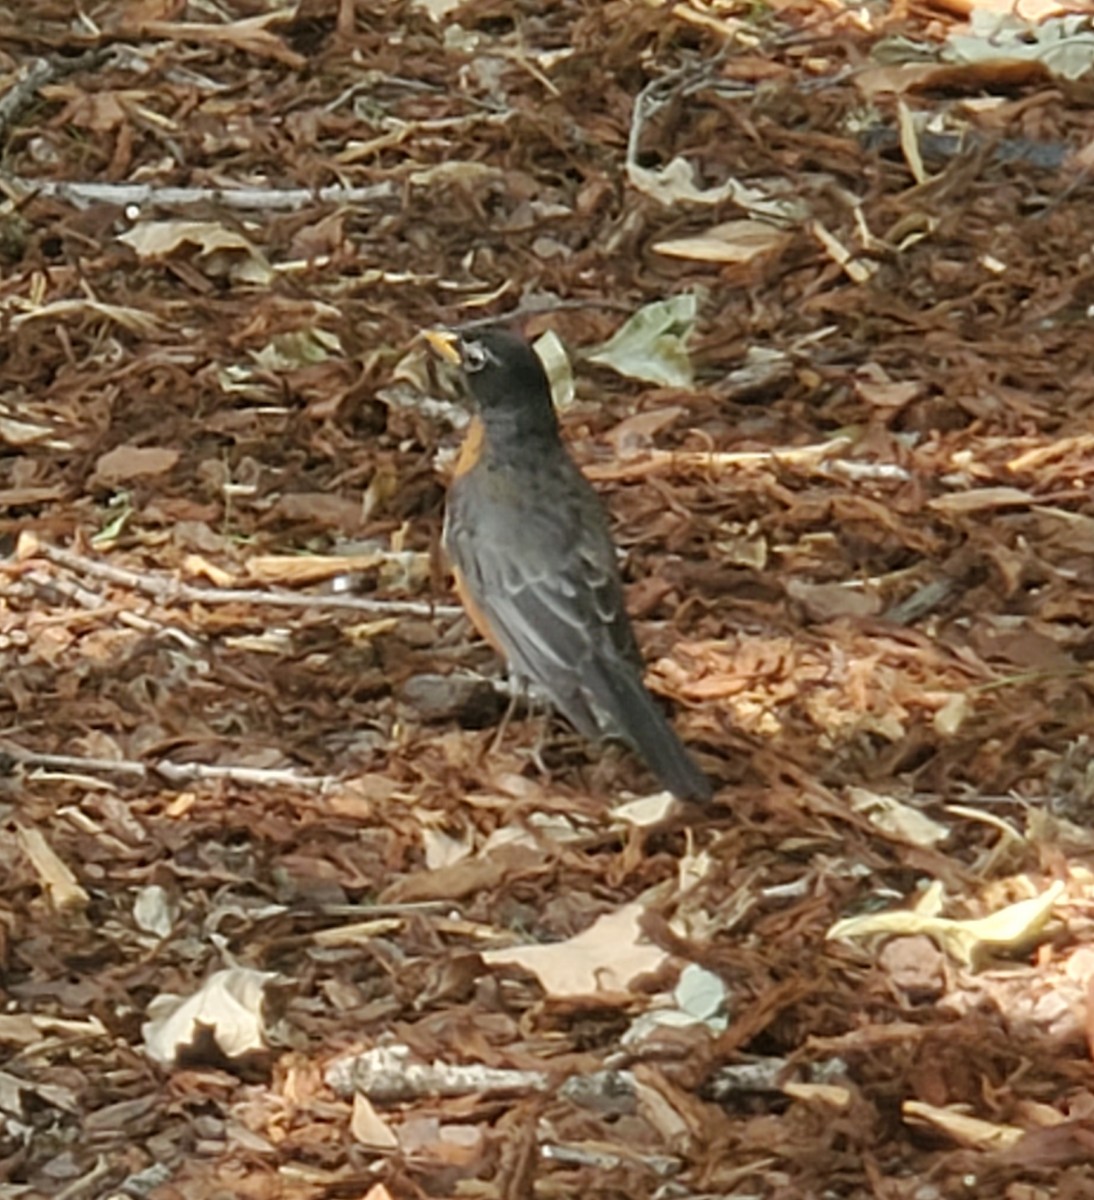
<point>979,499</point>
<point>961,1128</point>
<point>825,601</point>
<point>605,959</point>
<point>369,1128</point>
<point>730,242</point>
<point>126,463</point>
<point>874,385</point>
<point>221,251</point>
<point>298,569</point>
<point>897,820</point>
<point>893,77</point>
<point>56,878</point>
<point>465,877</point>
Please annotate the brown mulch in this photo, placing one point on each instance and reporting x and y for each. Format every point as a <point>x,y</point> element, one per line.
<point>864,565</point>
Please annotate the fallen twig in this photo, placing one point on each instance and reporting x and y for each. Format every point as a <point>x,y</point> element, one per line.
<point>34,74</point>
<point>172,772</point>
<point>387,1074</point>
<point>147,194</point>
<point>94,604</point>
<point>168,590</point>
<point>652,462</point>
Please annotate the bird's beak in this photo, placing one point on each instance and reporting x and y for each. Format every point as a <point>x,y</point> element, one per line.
<point>445,343</point>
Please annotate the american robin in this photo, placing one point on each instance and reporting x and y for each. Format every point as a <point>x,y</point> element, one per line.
<point>534,562</point>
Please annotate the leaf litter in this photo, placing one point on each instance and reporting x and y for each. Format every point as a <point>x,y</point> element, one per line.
<point>813,283</point>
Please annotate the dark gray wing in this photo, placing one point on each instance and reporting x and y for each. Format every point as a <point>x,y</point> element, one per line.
<point>538,560</point>
<point>539,563</point>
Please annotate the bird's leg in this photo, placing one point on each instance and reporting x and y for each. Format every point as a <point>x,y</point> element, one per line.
<point>539,709</point>
<point>536,705</point>
<point>515,698</point>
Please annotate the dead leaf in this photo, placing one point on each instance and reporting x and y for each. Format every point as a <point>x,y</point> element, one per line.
<point>228,1008</point>
<point>979,499</point>
<point>369,1128</point>
<point>825,601</point>
<point>1012,928</point>
<point>730,242</point>
<point>961,1128</point>
<point>56,878</point>
<point>897,820</point>
<point>220,250</point>
<point>125,463</point>
<point>299,569</point>
<point>605,959</point>
<point>873,384</point>
<point>249,35</point>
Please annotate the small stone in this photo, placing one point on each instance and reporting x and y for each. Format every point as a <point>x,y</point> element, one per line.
<point>472,701</point>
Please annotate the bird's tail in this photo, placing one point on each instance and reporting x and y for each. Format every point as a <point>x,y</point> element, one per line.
<point>642,724</point>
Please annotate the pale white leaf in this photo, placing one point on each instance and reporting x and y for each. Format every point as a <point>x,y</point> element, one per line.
<point>652,345</point>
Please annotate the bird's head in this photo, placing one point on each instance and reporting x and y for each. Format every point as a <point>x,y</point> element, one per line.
<point>502,372</point>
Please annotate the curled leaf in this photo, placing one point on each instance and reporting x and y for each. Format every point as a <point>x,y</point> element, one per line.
<point>652,345</point>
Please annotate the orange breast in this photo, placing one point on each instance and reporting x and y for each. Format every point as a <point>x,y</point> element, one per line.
<point>471,451</point>
<point>474,612</point>
<point>469,458</point>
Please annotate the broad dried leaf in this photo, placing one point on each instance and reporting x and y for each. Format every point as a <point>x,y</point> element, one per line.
<point>556,362</point>
<point>154,910</point>
<point>875,386</point>
<point>1061,44</point>
<point>652,345</point>
<point>298,348</point>
<point>222,251</point>
<point>603,960</point>
<point>824,601</point>
<point>228,1007</point>
<point>294,570</point>
<point>125,463</point>
<point>1010,929</point>
<point>674,184</point>
<point>730,242</point>
<point>248,35</point>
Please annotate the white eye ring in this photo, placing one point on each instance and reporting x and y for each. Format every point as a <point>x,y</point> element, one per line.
<point>475,356</point>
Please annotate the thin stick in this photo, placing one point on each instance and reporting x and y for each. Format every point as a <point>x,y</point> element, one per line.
<point>93,604</point>
<point>168,590</point>
<point>172,772</point>
<point>653,462</point>
<point>145,195</point>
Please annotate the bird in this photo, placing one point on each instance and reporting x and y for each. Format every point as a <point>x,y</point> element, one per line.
<point>533,559</point>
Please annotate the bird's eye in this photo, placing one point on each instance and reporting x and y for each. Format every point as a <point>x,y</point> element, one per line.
<point>475,356</point>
